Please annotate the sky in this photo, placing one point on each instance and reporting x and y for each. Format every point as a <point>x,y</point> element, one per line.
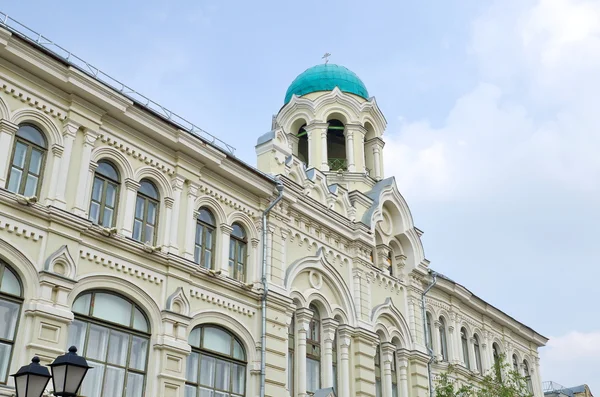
<point>492,122</point>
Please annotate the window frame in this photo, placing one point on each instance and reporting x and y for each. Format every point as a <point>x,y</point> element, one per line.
<point>89,319</point>
<point>102,204</point>
<point>147,199</point>
<point>30,146</point>
<point>477,350</point>
<point>464,341</point>
<point>443,339</point>
<point>17,299</point>
<point>203,351</point>
<point>291,355</point>
<point>237,243</point>
<point>314,328</point>
<point>378,371</point>
<point>202,246</point>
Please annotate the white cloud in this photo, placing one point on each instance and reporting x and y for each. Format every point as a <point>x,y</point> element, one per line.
<point>532,116</point>
<point>572,359</point>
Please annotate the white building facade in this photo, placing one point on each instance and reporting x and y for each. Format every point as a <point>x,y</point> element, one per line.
<point>142,244</point>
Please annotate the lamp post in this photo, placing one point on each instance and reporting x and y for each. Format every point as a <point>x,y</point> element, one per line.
<point>68,372</point>
<point>31,380</point>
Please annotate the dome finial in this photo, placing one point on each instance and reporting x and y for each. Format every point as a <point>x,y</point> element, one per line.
<point>326,57</point>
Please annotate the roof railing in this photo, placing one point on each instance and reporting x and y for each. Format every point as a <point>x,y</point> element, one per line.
<point>80,64</point>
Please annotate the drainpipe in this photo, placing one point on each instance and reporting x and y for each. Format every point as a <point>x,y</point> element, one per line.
<point>263,338</point>
<point>427,331</point>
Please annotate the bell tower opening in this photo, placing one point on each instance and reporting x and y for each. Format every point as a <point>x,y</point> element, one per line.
<point>336,146</point>
<point>302,144</point>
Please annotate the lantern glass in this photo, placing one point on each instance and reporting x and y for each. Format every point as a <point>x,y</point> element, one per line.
<point>31,380</point>
<point>31,385</point>
<point>68,372</point>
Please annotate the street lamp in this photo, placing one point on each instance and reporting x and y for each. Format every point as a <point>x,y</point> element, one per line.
<point>68,372</point>
<point>31,380</point>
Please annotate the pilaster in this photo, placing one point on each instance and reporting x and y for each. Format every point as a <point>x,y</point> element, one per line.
<point>131,188</point>
<point>328,328</point>
<point>177,184</point>
<point>303,317</point>
<point>190,221</point>
<point>84,182</point>
<point>69,133</point>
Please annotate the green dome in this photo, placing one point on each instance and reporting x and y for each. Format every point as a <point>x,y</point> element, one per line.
<point>326,77</point>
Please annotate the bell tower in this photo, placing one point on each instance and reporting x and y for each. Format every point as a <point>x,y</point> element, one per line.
<point>328,123</point>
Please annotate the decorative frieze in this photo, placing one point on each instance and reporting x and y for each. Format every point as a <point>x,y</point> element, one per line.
<point>20,229</point>
<point>221,301</point>
<point>33,101</point>
<point>137,154</point>
<point>120,265</point>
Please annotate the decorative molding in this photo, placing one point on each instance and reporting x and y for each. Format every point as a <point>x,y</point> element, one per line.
<point>225,199</point>
<point>33,102</point>
<point>137,154</point>
<point>61,262</point>
<point>120,265</point>
<point>221,301</point>
<point>178,302</point>
<point>19,229</point>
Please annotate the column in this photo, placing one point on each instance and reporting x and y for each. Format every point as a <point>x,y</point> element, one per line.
<point>57,152</point>
<point>131,188</point>
<point>69,133</point>
<point>387,356</point>
<point>472,359</point>
<point>328,327</point>
<point>284,235</point>
<point>437,342</point>
<point>84,184</point>
<point>349,135</point>
<point>225,238</point>
<point>455,343</point>
<point>317,145</point>
<point>253,261</point>
<point>166,228</point>
<point>303,317</point>
<point>270,231</point>
<point>324,155</point>
<point>355,140</point>
<point>177,184</point>
<point>7,130</point>
<point>344,339</point>
<point>376,163</point>
<point>402,372</point>
<point>190,221</point>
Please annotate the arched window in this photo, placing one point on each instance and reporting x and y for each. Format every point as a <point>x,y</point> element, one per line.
<point>205,239</point>
<point>429,326</point>
<point>313,352</point>
<point>113,334</point>
<point>336,146</point>
<point>527,376</point>
<point>217,365</point>
<point>303,144</point>
<point>105,195</point>
<point>378,392</point>
<point>465,347</point>
<point>477,353</point>
<point>238,253</point>
<point>291,355</point>
<point>146,213</point>
<point>497,364</point>
<point>515,363</point>
<point>443,339</point>
<point>394,377</point>
<point>10,307</point>
<point>27,164</point>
